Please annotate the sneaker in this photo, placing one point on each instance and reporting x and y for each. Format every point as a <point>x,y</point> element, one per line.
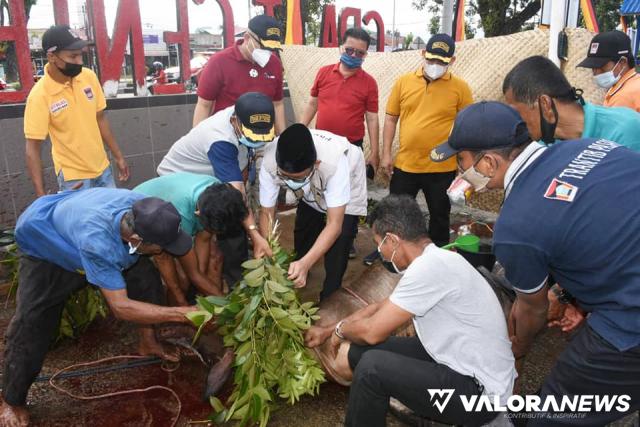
<point>371,258</point>
<point>352,252</point>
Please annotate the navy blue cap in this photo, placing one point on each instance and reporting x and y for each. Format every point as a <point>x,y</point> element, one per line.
<point>158,222</point>
<point>482,126</point>
<point>267,29</point>
<point>257,116</point>
<point>61,37</point>
<point>440,47</point>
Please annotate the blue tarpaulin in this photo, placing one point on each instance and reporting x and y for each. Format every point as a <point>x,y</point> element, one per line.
<point>630,7</point>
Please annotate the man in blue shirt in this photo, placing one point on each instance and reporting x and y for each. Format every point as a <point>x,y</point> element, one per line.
<point>553,109</point>
<point>94,236</point>
<point>228,146</point>
<point>570,210</point>
<point>207,207</point>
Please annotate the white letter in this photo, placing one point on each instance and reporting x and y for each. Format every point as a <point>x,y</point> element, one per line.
<point>572,403</point>
<point>511,403</point>
<point>605,402</point>
<point>585,403</point>
<point>468,402</point>
<point>623,403</point>
<point>533,403</point>
<point>550,400</point>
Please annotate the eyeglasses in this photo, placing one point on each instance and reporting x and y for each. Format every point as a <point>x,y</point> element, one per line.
<point>351,51</point>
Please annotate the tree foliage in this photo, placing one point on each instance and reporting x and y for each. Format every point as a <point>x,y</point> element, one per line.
<point>497,17</point>
<point>311,17</point>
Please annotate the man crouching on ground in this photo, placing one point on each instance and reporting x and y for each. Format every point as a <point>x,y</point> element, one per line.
<point>75,237</point>
<point>461,341</point>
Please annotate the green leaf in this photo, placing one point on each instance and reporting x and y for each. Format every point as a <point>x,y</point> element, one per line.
<point>277,287</point>
<point>216,404</point>
<point>254,277</point>
<point>199,317</point>
<point>262,392</point>
<point>278,313</point>
<point>256,404</point>
<point>252,264</point>
<point>205,305</point>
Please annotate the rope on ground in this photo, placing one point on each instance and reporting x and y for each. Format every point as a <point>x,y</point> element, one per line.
<point>116,393</point>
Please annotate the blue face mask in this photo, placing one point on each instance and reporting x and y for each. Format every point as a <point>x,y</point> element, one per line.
<point>351,61</point>
<point>247,143</point>
<point>294,184</point>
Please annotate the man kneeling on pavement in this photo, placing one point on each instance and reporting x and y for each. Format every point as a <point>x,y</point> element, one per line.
<point>461,341</point>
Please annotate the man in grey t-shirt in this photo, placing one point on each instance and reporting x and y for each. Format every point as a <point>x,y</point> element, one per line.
<point>461,341</point>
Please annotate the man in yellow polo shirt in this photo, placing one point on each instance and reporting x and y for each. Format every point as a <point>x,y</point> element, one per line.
<point>426,103</point>
<point>68,105</point>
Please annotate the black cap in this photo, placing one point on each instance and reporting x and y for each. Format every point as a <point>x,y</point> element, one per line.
<point>61,37</point>
<point>296,151</point>
<point>482,126</point>
<point>268,31</point>
<point>257,116</point>
<point>158,222</point>
<point>605,47</point>
<point>441,47</point>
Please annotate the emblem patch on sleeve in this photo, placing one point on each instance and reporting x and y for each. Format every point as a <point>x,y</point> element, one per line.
<point>560,190</point>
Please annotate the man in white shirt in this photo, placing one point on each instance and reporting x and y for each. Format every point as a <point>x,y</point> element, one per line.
<point>327,175</point>
<point>461,341</point>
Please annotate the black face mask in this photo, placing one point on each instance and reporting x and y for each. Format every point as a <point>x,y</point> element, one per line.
<point>389,266</point>
<point>548,130</point>
<point>70,70</point>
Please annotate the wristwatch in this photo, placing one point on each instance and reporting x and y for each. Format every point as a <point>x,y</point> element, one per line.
<point>563,296</point>
<point>338,330</point>
<point>253,227</point>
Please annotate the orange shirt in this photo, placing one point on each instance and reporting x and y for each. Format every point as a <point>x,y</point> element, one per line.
<point>625,93</point>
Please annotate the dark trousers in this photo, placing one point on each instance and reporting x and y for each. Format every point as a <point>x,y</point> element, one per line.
<point>235,249</point>
<point>592,366</point>
<point>309,224</point>
<point>401,368</point>
<point>434,186</point>
<point>43,290</point>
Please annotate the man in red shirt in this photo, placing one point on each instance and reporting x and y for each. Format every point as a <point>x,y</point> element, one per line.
<point>345,96</point>
<point>248,66</point>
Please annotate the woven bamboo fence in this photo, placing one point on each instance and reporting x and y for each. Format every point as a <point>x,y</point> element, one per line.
<point>483,63</point>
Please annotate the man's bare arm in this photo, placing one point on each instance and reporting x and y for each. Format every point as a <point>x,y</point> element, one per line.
<point>202,110</point>
<point>141,312</point>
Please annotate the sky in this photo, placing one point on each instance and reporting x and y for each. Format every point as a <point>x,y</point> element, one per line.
<point>160,14</point>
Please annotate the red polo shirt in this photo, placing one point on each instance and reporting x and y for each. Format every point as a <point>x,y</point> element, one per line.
<point>228,75</point>
<point>342,103</point>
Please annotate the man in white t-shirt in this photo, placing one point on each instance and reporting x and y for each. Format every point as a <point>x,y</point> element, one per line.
<point>461,341</point>
<point>327,175</point>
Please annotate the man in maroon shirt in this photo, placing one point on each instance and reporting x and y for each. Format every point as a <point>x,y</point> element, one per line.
<point>345,96</point>
<point>248,66</point>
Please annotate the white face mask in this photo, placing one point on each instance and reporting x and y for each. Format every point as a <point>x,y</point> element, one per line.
<point>134,249</point>
<point>434,71</point>
<point>476,179</point>
<point>260,56</point>
<point>608,79</point>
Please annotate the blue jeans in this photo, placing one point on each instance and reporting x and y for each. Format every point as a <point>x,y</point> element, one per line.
<point>105,180</point>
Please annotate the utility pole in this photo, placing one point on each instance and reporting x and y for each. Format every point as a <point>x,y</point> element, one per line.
<point>393,36</point>
<point>446,24</point>
<point>557,24</point>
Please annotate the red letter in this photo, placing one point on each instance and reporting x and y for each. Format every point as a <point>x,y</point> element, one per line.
<point>345,14</point>
<point>181,38</point>
<point>111,57</point>
<point>61,12</point>
<point>375,16</point>
<point>328,36</point>
<point>268,5</point>
<point>17,32</point>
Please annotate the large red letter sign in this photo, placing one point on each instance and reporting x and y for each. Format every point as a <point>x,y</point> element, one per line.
<point>345,14</point>
<point>17,33</point>
<point>328,32</point>
<point>375,16</point>
<point>181,38</point>
<point>111,57</point>
<point>61,12</point>
<point>268,5</point>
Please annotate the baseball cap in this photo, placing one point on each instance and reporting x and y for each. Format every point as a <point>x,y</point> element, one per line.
<point>605,47</point>
<point>296,151</point>
<point>441,47</point>
<point>268,31</point>
<point>482,126</point>
<point>158,222</point>
<point>256,114</point>
<point>61,37</point>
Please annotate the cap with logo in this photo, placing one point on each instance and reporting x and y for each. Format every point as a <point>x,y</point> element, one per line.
<point>61,37</point>
<point>296,151</point>
<point>267,29</point>
<point>257,116</point>
<point>482,126</point>
<point>606,47</point>
<point>158,222</point>
<point>440,47</point>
